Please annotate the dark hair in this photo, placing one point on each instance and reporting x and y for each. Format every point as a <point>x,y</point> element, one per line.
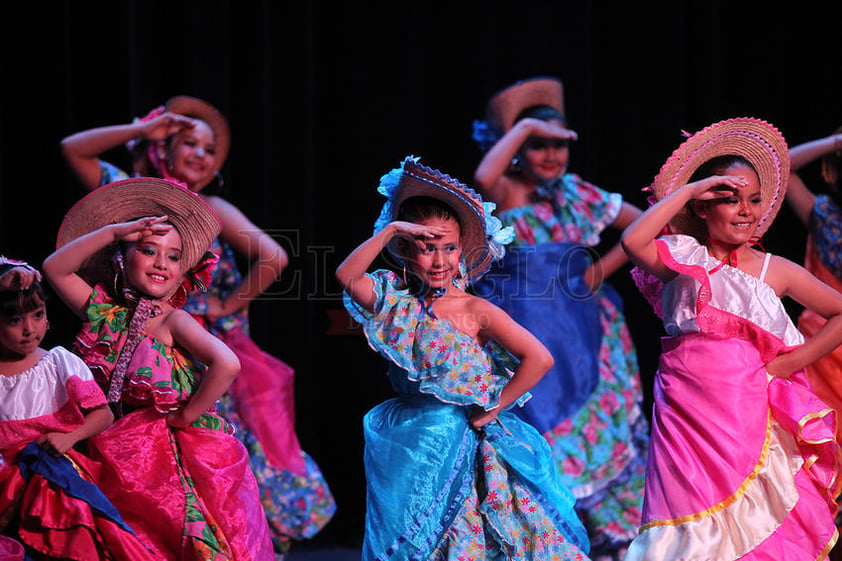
<point>718,165</point>
<point>419,208</point>
<point>16,302</point>
<point>543,113</point>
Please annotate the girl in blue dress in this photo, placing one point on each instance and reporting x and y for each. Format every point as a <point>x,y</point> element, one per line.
<point>451,472</point>
<point>553,281</point>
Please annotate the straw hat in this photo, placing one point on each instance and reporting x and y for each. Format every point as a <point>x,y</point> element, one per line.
<point>416,180</point>
<point>755,140</point>
<point>504,107</point>
<point>198,109</point>
<point>134,198</point>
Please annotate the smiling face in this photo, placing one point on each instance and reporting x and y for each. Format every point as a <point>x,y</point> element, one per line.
<point>153,265</point>
<point>733,220</point>
<point>192,155</point>
<point>438,261</point>
<point>545,158</point>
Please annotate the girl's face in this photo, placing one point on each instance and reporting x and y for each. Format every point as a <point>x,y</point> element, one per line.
<point>192,155</point>
<point>733,220</point>
<point>544,157</point>
<point>153,265</point>
<point>21,334</point>
<point>438,261</point>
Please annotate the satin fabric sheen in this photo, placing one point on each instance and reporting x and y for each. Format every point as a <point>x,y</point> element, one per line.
<point>151,497</point>
<point>742,465</point>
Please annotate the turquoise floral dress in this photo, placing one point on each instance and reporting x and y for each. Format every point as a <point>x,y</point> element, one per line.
<point>589,406</point>
<point>437,489</point>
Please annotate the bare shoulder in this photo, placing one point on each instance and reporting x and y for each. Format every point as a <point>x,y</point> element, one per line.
<point>782,274</point>
<point>482,308</point>
<point>176,315</point>
<point>779,263</point>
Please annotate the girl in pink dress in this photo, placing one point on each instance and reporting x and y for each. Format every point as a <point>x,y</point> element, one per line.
<point>49,402</point>
<point>128,253</point>
<point>187,140</point>
<point>743,462</point>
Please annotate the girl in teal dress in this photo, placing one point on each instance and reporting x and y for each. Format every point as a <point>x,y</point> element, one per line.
<point>452,473</point>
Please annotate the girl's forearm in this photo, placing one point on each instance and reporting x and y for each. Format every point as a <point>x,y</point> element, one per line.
<point>216,381</point>
<point>96,421</point>
<point>70,258</point>
<point>357,263</point>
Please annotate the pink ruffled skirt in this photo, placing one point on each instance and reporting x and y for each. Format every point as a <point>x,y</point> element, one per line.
<point>741,465</point>
<point>189,492</point>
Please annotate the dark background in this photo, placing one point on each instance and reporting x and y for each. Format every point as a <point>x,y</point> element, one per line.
<point>323,100</point>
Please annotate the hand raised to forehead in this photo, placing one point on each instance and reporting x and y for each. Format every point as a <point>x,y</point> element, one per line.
<point>716,187</point>
<point>136,230</point>
<point>166,125</point>
<point>418,233</point>
<point>553,130</point>
<point>19,277</point>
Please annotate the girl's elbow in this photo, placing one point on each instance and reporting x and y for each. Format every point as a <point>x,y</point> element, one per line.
<point>624,240</point>
<point>628,246</point>
<point>343,277</point>
<point>281,258</point>
<point>547,361</point>
<point>229,366</point>
<point>47,268</point>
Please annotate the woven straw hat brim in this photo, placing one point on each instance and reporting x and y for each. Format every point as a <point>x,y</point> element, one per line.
<point>422,181</point>
<point>504,107</point>
<point>756,140</point>
<point>135,198</point>
<point>199,109</point>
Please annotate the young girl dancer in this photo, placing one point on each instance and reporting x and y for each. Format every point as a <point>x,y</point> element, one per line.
<point>128,253</point>
<point>743,461</point>
<point>49,403</point>
<point>187,140</point>
<point>452,473</point>
<point>589,406</point>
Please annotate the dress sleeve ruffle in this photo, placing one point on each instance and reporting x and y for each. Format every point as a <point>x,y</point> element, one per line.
<point>445,362</point>
<point>87,394</point>
<point>651,287</point>
<point>593,208</point>
<point>826,229</point>
<point>81,386</point>
<point>102,335</point>
<point>109,173</point>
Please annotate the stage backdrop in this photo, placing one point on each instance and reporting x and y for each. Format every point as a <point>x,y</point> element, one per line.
<point>324,99</point>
